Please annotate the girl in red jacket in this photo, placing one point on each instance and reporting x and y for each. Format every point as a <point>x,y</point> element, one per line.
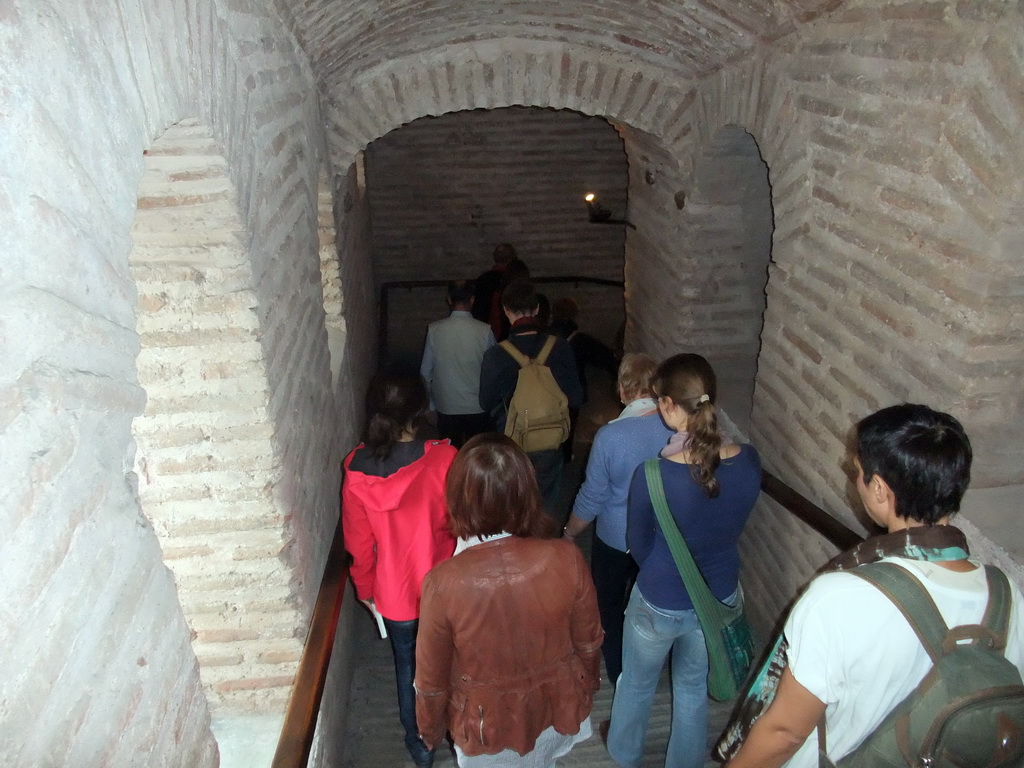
<point>395,525</point>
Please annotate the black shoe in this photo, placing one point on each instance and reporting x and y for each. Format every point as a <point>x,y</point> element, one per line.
<point>423,757</point>
<point>602,730</point>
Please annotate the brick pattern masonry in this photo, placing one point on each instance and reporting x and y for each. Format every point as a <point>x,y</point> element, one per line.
<point>206,462</point>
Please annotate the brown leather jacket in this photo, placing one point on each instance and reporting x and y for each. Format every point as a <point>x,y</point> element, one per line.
<point>509,644</point>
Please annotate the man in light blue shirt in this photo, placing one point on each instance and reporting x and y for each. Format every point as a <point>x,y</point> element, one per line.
<point>452,355</point>
<point>619,448</point>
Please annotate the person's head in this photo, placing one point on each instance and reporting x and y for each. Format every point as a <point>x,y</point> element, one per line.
<point>564,310</point>
<point>519,298</point>
<point>460,295</point>
<point>504,253</point>
<point>635,373</point>
<point>492,487</point>
<point>516,269</point>
<point>396,402</point>
<point>686,389</point>
<point>922,456</point>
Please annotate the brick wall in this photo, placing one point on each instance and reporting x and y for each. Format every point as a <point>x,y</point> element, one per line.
<point>891,134</point>
<point>352,212</point>
<point>92,621</point>
<point>100,671</point>
<point>444,191</point>
<point>206,460</point>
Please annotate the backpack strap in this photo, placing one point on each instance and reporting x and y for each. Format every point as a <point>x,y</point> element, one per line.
<point>997,614</point>
<point>523,360</point>
<point>542,357</point>
<point>913,600</point>
<point>513,350</point>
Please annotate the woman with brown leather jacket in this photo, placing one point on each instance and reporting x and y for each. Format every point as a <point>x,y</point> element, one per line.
<point>508,651</point>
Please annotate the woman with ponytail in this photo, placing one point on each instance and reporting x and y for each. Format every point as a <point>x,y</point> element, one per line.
<point>711,485</point>
<point>395,523</point>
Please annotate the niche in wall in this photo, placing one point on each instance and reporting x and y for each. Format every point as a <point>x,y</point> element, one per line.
<point>730,225</point>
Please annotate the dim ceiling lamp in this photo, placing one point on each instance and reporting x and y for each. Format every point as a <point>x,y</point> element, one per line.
<point>599,214</point>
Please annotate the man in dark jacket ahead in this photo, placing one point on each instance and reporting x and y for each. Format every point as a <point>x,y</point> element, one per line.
<point>499,373</point>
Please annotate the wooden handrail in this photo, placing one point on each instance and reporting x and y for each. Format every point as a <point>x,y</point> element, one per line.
<point>304,703</point>
<point>820,520</point>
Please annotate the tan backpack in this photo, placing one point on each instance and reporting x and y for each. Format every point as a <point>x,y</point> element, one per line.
<point>538,413</point>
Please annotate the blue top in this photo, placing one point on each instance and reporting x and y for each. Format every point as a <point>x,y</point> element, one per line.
<point>711,528</point>
<point>617,450</point>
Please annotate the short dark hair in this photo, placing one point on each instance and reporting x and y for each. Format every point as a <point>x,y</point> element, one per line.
<point>923,455</point>
<point>519,296</point>
<point>516,269</point>
<point>492,487</point>
<point>460,292</point>
<point>397,399</point>
<point>504,253</point>
<point>564,309</point>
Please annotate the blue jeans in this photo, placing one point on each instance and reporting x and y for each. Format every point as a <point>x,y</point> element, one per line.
<point>402,635</point>
<point>649,636</point>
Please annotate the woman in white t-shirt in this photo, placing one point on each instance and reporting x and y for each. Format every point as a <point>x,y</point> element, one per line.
<point>852,656</point>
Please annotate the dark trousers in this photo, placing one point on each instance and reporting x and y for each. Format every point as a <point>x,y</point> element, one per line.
<point>614,573</point>
<point>548,467</point>
<point>459,427</point>
<point>402,635</point>
<point>574,416</point>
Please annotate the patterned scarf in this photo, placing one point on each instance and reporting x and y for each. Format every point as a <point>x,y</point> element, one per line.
<point>936,543</point>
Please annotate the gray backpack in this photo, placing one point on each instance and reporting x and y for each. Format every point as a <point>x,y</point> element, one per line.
<point>968,711</point>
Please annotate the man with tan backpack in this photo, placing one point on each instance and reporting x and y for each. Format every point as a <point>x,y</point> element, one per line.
<point>528,383</point>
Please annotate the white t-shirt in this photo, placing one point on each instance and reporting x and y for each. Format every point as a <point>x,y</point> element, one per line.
<point>853,649</point>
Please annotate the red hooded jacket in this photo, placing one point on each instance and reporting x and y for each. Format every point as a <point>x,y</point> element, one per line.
<point>396,529</point>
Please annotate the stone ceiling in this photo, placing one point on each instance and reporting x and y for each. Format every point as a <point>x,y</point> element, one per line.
<point>688,38</point>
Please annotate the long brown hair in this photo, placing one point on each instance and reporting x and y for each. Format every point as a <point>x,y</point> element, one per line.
<point>685,379</point>
<point>492,487</point>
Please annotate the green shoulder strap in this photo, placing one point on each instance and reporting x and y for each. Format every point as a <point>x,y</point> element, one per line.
<point>913,600</point>
<point>704,602</point>
<point>909,595</point>
<point>997,614</point>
